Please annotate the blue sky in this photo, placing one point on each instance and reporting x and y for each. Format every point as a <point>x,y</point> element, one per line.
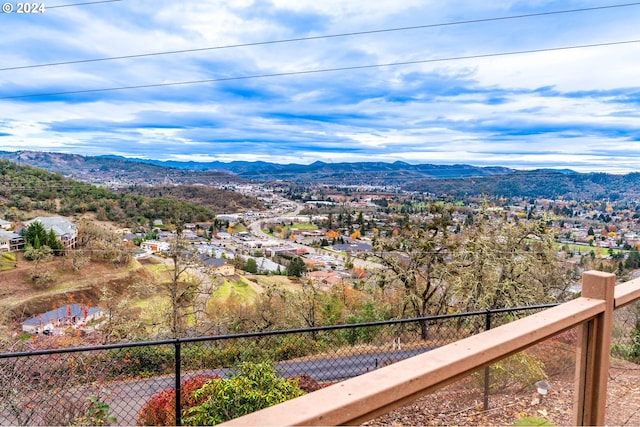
<point>569,108</point>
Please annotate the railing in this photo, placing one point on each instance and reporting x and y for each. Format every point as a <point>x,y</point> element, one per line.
<point>362,398</point>
<point>52,387</point>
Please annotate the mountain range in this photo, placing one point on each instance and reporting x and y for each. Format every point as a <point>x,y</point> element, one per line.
<point>104,168</point>
<point>450,180</point>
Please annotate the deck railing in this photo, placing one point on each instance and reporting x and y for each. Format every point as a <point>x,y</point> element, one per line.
<point>364,397</point>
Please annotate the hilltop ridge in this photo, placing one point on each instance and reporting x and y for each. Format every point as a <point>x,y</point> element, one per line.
<point>456,181</point>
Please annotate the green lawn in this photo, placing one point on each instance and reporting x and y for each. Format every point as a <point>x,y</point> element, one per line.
<point>305,226</point>
<point>585,249</point>
<point>241,290</point>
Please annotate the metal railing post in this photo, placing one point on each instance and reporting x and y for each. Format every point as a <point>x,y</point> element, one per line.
<point>592,360</point>
<point>178,360</point>
<point>485,403</point>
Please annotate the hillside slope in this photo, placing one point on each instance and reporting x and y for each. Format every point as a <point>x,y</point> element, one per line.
<point>24,189</point>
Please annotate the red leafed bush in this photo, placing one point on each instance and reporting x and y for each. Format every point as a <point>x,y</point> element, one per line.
<point>160,409</point>
<point>308,384</point>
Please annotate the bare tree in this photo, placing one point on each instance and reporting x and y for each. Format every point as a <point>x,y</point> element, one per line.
<point>413,260</point>
<point>501,264</point>
<point>180,287</point>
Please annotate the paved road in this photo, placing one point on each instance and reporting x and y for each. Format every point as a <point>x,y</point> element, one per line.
<point>127,398</point>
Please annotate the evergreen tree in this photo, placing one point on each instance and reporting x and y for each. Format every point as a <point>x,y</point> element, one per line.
<point>251,266</point>
<point>297,267</point>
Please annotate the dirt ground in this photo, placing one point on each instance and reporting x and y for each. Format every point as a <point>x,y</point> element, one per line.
<point>20,298</point>
<point>461,404</point>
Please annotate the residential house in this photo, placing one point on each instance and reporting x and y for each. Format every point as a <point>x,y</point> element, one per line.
<point>324,279</point>
<point>10,242</point>
<point>71,315</point>
<point>4,225</point>
<point>218,265</point>
<point>65,230</point>
<point>155,246</point>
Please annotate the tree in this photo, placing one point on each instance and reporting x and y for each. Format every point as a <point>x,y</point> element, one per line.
<point>251,266</point>
<point>501,265</point>
<point>307,305</point>
<point>413,261</point>
<point>297,267</point>
<point>238,262</point>
<point>35,235</point>
<point>181,288</point>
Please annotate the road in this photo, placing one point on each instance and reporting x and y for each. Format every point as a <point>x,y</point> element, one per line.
<point>127,398</point>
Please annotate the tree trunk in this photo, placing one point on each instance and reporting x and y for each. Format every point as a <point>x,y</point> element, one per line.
<point>424,330</point>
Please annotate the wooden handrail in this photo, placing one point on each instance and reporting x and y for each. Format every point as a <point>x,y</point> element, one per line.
<point>626,293</point>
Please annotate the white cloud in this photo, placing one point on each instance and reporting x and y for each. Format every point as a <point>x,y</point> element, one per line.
<point>557,108</point>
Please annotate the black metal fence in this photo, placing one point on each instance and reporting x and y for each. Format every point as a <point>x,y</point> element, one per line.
<point>148,382</point>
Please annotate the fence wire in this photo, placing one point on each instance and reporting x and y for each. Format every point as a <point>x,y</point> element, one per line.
<point>135,383</point>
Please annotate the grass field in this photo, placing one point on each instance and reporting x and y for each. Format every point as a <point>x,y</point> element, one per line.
<point>305,226</point>
<point>241,290</point>
<point>584,249</point>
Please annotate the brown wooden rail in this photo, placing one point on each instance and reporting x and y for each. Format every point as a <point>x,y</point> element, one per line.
<point>362,398</point>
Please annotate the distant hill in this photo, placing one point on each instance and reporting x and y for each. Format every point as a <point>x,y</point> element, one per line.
<point>453,180</point>
<point>33,189</point>
<point>112,171</point>
<point>355,173</point>
<point>537,183</point>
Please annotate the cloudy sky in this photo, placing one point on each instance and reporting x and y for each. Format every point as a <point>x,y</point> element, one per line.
<point>281,81</point>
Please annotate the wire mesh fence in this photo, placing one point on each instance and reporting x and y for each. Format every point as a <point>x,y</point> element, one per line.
<point>137,383</point>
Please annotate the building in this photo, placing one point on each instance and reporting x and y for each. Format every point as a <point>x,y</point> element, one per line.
<point>155,246</point>
<point>74,316</point>
<point>65,230</point>
<point>353,248</point>
<point>218,266</point>
<point>4,225</point>
<point>10,242</point>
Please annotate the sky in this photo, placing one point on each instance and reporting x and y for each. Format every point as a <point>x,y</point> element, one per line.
<point>297,81</point>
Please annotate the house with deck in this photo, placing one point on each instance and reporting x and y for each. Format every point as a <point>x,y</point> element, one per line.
<point>10,242</point>
<point>65,230</point>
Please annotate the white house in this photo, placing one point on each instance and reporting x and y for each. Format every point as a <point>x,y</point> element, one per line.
<point>10,242</point>
<point>4,225</point>
<point>155,246</point>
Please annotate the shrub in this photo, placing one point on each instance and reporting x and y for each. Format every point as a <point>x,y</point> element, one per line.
<point>289,347</point>
<point>144,361</point>
<point>160,410</point>
<point>97,413</point>
<point>518,371</point>
<point>251,387</point>
<point>306,383</point>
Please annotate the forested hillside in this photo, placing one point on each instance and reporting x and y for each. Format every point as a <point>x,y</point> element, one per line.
<point>116,170</point>
<point>23,188</point>
<point>213,198</point>
<point>537,183</point>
